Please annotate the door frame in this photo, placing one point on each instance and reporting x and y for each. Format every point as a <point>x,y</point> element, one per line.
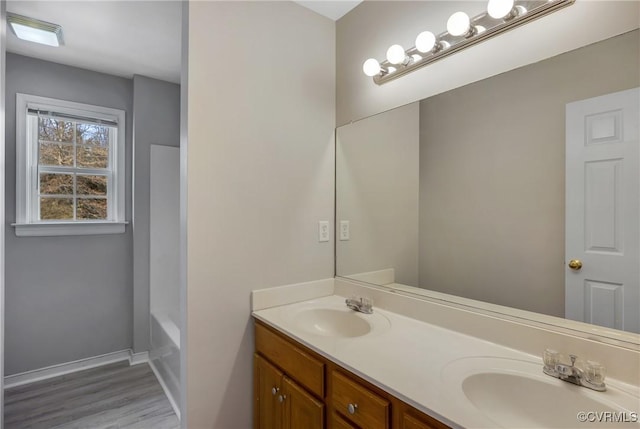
<point>3,56</point>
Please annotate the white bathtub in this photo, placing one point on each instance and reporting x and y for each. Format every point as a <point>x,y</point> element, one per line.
<point>165,354</point>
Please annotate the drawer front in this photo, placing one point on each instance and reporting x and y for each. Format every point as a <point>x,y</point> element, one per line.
<point>409,422</point>
<point>338,422</point>
<point>413,422</point>
<point>358,404</point>
<point>302,367</point>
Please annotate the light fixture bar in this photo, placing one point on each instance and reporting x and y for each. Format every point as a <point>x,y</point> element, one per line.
<point>483,27</point>
<point>34,30</point>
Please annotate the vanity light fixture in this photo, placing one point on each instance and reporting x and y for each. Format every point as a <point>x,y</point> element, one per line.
<point>426,42</point>
<point>459,24</point>
<point>462,32</point>
<point>34,30</point>
<point>502,9</point>
<point>371,67</point>
<point>396,55</point>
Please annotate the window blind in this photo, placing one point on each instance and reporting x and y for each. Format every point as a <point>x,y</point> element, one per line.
<point>69,117</point>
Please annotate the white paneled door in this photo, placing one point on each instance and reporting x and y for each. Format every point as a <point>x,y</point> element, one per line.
<point>602,248</point>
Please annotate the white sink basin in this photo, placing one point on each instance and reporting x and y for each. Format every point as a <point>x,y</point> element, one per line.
<point>330,322</point>
<point>334,321</point>
<point>516,394</point>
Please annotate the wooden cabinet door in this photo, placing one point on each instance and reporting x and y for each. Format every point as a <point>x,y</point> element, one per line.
<point>267,389</point>
<point>301,410</point>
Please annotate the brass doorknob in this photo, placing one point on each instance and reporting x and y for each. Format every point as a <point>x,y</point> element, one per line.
<point>575,264</point>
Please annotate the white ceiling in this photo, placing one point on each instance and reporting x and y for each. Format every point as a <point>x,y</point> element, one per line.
<point>330,8</point>
<point>121,38</point>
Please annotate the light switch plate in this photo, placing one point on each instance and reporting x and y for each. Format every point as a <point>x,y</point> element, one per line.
<point>344,230</point>
<point>323,231</point>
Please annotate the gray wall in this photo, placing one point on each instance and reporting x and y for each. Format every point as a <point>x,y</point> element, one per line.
<point>492,180</point>
<point>67,297</point>
<point>260,177</point>
<point>156,114</point>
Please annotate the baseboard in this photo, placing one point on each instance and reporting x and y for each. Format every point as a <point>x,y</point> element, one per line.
<point>88,363</point>
<point>66,368</point>
<point>137,358</point>
<point>167,393</point>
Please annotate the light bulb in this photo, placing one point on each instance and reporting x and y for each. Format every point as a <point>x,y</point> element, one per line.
<point>395,54</point>
<point>458,24</point>
<point>498,9</point>
<point>425,42</point>
<point>371,67</point>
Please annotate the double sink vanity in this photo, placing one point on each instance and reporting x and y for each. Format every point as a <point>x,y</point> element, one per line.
<point>320,363</point>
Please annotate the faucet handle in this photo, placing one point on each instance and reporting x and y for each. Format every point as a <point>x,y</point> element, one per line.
<point>594,372</point>
<point>551,358</point>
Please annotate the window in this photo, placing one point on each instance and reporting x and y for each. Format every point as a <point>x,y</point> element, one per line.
<point>70,168</point>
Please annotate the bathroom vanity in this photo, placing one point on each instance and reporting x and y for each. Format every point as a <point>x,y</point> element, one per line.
<point>320,364</point>
<point>295,387</point>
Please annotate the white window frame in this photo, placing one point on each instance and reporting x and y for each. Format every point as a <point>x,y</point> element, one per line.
<point>27,205</point>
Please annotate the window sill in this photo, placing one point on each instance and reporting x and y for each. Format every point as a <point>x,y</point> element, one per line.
<point>68,228</point>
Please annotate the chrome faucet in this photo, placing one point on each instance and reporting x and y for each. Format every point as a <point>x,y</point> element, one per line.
<point>363,305</point>
<point>592,377</point>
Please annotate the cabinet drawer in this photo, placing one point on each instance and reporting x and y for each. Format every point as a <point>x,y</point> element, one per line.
<point>302,367</point>
<point>338,422</point>
<point>358,404</point>
<point>409,422</point>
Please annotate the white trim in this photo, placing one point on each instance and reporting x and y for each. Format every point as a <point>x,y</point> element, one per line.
<point>26,167</point>
<point>65,368</point>
<point>67,228</point>
<point>88,363</point>
<point>78,365</point>
<point>3,42</point>
<point>167,392</point>
<point>138,358</point>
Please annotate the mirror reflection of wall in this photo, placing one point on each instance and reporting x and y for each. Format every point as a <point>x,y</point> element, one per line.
<point>490,186</point>
<point>377,168</point>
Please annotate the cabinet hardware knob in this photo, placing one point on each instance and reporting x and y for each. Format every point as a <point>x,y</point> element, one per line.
<point>575,264</point>
<point>352,408</point>
<point>275,390</point>
<point>281,398</point>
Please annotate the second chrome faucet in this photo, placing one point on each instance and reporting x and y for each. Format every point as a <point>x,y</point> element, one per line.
<point>592,376</point>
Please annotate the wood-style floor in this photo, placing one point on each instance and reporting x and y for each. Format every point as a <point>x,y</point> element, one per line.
<point>109,397</point>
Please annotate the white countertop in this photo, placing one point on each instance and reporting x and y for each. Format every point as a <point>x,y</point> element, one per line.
<point>409,359</point>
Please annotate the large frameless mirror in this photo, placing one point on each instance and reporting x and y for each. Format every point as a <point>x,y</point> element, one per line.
<point>520,191</point>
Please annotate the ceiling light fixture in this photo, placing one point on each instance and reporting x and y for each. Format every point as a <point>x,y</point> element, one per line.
<point>34,30</point>
<point>462,32</point>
